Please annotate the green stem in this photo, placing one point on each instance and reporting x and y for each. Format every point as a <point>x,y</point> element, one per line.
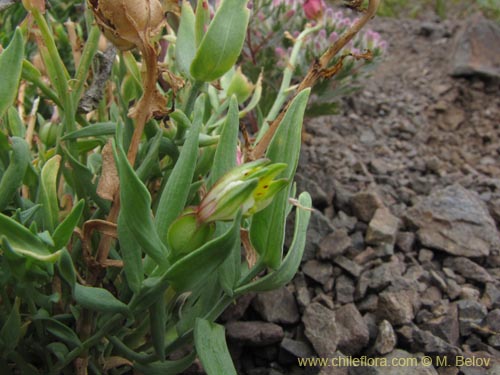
<point>91,341</point>
<point>83,69</point>
<point>193,94</point>
<point>283,92</point>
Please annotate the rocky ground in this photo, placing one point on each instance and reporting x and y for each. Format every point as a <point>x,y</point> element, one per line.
<point>403,254</point>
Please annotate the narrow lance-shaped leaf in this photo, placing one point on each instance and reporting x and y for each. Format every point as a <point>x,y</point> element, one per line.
<point>211,346</point>
<point>64,230</point>
<point>48,192</point>
<point>11,63</point>
<point>12,179</point>
<point>99,299</point>
<point>131,255</point>
<point>267,231</point>
<point>166,367</point>
<point>185,45</point>
<point>23,241</point>
<point>11,330</point>
<point>176,191</point>
<point>136,210</point>
<point>202,18</point>
<point>223,41</point>
<point>291,263</point>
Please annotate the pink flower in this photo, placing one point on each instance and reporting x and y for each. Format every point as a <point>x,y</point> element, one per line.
<point>313,9</point>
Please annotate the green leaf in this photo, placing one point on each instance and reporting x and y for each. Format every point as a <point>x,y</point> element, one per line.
<point>16,125</point>
<point>23,241</point>
<point>136,210</point>
<point>59,330</point>
<point>202,19</point>
<point>11,63</point>
<point>64,231</point>
<point>267,231</point>
<point>131,255</point>
<point>66,268</point>
<point>12,179</point>
<point>225,154</point>
<point>11,330</point>
<point>157,319</point>
<point>99,299</point>
<point>210,343</point>
<point>166,367</point>
<point>194,268</point>
<point>291,263</point>
<point>223,41</point>
<point>185,46</point>
<point>48,192</point>
<point>175,193</point>
<point>94,130</point>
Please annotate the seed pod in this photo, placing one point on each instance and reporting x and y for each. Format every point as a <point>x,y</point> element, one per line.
<point>126,23</point>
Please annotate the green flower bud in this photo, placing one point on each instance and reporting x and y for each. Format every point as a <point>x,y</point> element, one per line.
<point>240,86</point>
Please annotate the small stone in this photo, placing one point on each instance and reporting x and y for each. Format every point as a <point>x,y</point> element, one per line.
<point>382,228</point>
<point>344,290</point>
<point>405,241</point>
<point>296,349</point>
<point>320,328</point>
<point>365,204</point>
<point>476,49</point>
<point>365,256</point>
<point>386,338</point>
<point>344,221</point>
<point>425,341</point>
<point>318,271</point>
<point>254,333</point>
<point>396,307</point>
<point>470,315</point>
<point>319,227</point>
<point>334,244</point>
<point>445,326</point>
<point>425,255</point>
<point>352,331</point>
<point>381,276</point>
<point>302,293</point>
<point>318,196</point>
<point>348,265</point>
<point>494,340</point>
<point>491,296</point>
<point>468,269</point>
<point>456,221</point>
<point>236,310</point>
<point>492,321</point>
<point>277,306</point>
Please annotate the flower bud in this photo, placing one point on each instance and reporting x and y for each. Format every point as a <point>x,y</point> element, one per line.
<point>126,22</point>
<point>249,187</point>
<point>313,9</point>
<point>240,86</point>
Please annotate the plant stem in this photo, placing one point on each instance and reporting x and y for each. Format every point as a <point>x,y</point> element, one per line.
<point>193,94</point>
<point>315,73</point>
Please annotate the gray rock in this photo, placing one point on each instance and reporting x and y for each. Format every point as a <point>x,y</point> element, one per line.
<point>380,276</point>
<point>254,333</point>
<point>425,341</point>
<point>318,195</point>
<point>321,328</point>
<point>319,228</point>
<point>344,290</point>
<point>351,329</point>
<point>491,296</point>
<point>297,349</point>
<point>494,341</point>
<point>405,241</point>
<point>470,315</point>
<point>385,369</point>
<point>318,271</point>
<point>445,326</point>
<point>302,293</point>
<point>344,221</point>
<point>492,321</point>
<point>468,269</point>
<point>235,311</point>
<point>476,50</point>
<point>348,265</point>
<point>386,338</point>
<point>334,244</point>
<point>383,228</point>
<point>277,306</point>
<point>456,221</point>
<point>365,204</point>
<point>396,307</point>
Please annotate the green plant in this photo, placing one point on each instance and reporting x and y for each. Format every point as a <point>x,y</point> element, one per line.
<point>125,205</point>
